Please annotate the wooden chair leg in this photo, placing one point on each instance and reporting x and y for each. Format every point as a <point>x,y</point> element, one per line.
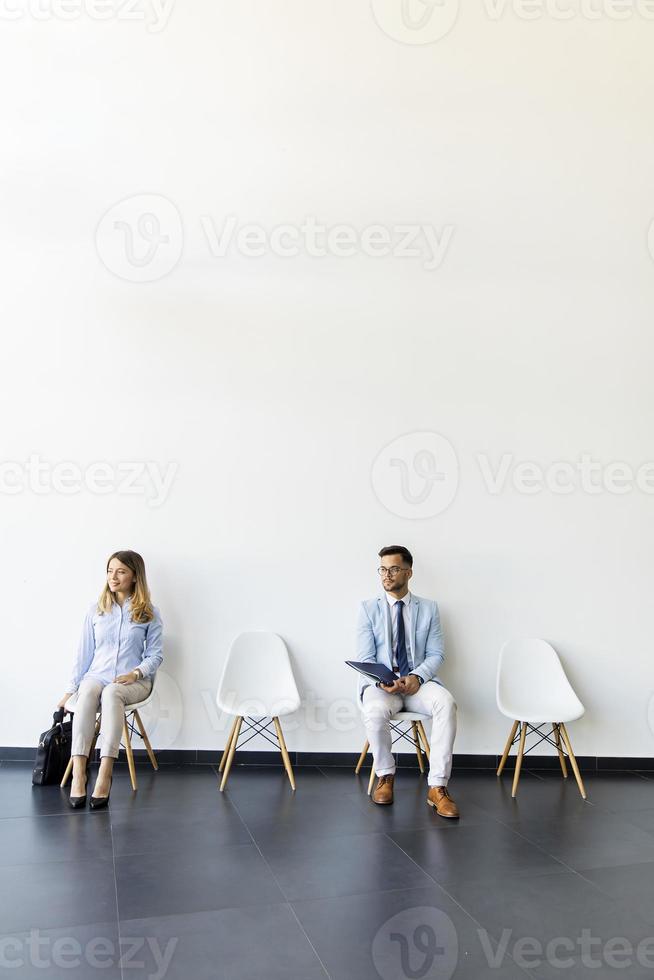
<point>573,761</point>
<point>416,742</point>
<point>146,741</point>
<point>95,738</point>
<point>362,758</point>
<point>372,778</point>
<point>557,739</point>
<point>69,767</point>
<point>223,758</point>
<point>285,755</point>
<point>507,748</point>
<point>232,750</point>
<point>423,735</point>
<point>518,761</point>
<point>421,740</point>
<point>129,754</point>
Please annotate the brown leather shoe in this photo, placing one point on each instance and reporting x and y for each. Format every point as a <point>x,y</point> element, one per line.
<point>442,802</point>
<point>383,791</point>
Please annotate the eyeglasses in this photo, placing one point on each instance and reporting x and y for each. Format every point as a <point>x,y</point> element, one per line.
<point>392,571</point>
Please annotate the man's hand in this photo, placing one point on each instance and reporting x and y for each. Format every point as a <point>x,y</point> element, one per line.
<point>62,703</point>
<point>130,678</point>
<point>409,684</point>
<point>394,688</point>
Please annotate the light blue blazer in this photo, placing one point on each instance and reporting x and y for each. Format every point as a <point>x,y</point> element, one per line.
<point>375,637</point>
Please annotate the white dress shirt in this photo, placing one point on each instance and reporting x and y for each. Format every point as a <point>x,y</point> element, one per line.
<point>406,613</point>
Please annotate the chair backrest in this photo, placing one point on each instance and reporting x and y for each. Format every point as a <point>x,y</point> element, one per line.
<point>257,678</point>
<point>531,683</point>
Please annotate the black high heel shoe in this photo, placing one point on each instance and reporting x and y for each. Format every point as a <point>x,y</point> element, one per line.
<point>100,802</point>
<point>77,802</point>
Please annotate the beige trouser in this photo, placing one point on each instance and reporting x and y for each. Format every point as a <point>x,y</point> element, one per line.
<point>430,699</point>
<point>110,699</point>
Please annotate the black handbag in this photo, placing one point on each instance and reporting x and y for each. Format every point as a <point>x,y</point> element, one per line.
<point>53,752</point>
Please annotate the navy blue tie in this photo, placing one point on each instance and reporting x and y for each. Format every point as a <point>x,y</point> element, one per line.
<point>402,659</point>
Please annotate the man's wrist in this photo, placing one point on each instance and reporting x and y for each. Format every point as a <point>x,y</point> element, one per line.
<point>421,680</point>
<point>138,672</point>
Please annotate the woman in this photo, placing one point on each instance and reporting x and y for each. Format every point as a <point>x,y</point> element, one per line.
<point>119,653</point>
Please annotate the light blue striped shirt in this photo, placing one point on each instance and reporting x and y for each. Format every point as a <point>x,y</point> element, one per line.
<point>112,644</point>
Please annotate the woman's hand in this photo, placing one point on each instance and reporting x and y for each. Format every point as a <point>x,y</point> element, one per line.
<point>62,703</point>
<point>130,678</point>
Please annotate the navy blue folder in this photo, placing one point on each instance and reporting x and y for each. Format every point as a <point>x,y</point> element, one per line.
<point>377,672</point>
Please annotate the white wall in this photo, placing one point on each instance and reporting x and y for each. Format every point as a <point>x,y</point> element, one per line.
<point>273,383</point>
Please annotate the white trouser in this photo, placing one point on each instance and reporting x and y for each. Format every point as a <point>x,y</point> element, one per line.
<point>110,699</point>
<point>431,699</point>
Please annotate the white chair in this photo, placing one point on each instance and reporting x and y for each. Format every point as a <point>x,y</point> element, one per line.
<point>397,734</point>
<point>257,683</point>
<point>131,716</point>
<point>532,688</point>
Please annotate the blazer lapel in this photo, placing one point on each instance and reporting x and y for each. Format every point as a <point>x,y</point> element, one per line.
<point>414,619</point>
<point>385,611</point>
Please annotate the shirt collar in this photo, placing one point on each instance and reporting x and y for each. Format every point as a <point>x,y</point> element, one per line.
<point>391,600</point>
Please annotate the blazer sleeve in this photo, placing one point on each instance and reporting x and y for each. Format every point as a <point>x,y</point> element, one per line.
<point>434,648</point>
<point>85,652</point>
<point>366,647</point>
<point>153,650</point>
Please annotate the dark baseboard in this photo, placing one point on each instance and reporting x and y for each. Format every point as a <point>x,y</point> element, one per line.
<point>189,757</point>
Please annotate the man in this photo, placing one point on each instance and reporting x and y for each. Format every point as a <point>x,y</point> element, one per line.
<point>403,632</point>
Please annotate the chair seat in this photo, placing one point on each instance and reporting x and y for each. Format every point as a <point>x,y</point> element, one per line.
<point>409,716</point>
<point>255,708</point>
<point>544,715</point>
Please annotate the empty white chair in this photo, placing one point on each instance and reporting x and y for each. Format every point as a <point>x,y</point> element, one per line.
<point>397,734</point>
<point>533,691</point>
<point>131,716</point>
<point>257,683</point>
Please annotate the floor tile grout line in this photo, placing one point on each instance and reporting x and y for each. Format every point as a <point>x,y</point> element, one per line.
<point>274,876</point>
<point>113,857</point>
<point>574,871</point>
<point>458,904</point>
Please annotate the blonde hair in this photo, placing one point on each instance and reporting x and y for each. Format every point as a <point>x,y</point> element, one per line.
<point>141,603</point>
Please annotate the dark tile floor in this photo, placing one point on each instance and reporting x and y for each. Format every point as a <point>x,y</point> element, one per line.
<point>181,881</point>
